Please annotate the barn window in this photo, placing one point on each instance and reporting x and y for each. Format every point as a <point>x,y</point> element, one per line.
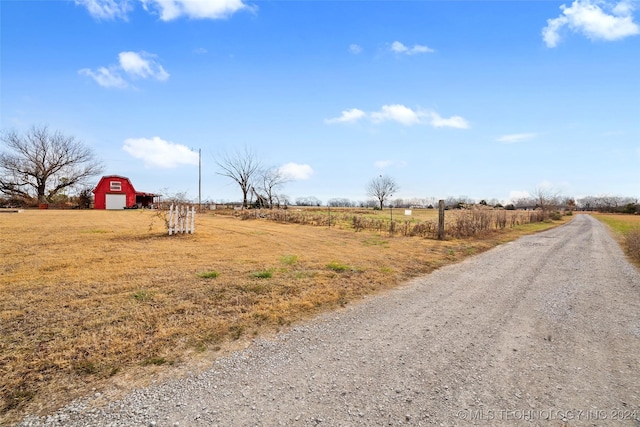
<point>115,186</point>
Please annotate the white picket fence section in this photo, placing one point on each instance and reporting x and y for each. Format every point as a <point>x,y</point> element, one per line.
<point>182,219</point>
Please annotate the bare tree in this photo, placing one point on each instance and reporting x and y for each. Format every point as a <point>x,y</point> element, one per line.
<point>340,203</point>
<point>41,163</point>
<point>382,188</point>
<point>546,199</point>
<point>283,200</point>
<point>240,166</point>
<point>272,179</point>
<point>308,201</point>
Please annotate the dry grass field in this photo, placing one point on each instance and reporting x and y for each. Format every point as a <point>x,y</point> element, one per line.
<point>97,299</point>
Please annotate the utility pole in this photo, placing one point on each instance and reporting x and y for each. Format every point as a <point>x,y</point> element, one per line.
<point>199,178</point>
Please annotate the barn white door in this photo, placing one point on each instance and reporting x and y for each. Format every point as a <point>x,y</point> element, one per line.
<point>116,201</point>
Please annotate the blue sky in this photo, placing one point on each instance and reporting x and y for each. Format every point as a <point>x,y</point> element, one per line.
<point>487,99</point>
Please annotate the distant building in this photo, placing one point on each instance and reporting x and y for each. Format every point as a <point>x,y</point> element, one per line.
<point>117,192</point>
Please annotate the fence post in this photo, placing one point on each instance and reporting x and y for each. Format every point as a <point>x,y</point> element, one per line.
<point>193,220</point>
<point>170,219</point>
<point>181,219</point>
<point>440,219</point>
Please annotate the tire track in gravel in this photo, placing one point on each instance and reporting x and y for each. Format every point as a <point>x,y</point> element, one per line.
<point>541,331</point>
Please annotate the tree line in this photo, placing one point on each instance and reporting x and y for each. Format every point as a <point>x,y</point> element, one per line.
<point>43,165</point>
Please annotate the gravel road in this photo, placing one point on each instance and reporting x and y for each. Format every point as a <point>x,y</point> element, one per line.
<point>541,331</point>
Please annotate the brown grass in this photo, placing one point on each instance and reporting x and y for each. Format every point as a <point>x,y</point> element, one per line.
<point>92,298</point>
<point>632,241</point>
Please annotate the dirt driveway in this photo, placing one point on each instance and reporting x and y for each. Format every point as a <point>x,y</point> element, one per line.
<point>541,331</point>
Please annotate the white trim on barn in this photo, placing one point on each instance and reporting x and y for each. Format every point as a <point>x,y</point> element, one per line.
<point>116,201</point>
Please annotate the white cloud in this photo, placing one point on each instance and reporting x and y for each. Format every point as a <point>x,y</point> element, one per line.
<point>400,114</point>
<point>195,9</point>
<point>137,65</point>
<point>452,122</point>
<point>384,164</point>
<point>355,49</point>
<point>156,152</point>
<point>167,9</point>
<point>398,47</point>
<point>107,9</point>
<point>142,65</point>
<point>597,20</point>
<point>200,51</point>
<point>296,171</point>
<point>516,194</point>
<point>105,77</point>
<point>516,137</point>
<point>348,116</point>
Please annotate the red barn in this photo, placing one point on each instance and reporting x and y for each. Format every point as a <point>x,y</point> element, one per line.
<point>117,192</point>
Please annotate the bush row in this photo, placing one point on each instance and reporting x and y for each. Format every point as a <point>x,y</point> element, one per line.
<point>458,224</point>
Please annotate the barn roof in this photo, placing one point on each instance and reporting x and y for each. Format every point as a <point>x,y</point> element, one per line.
<point>138,193</point>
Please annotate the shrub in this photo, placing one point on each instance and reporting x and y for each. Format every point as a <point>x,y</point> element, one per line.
<point>555,215</point>
<point>630,208</point>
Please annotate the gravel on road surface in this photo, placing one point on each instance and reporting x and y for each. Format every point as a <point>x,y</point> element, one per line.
<point>544,330</point>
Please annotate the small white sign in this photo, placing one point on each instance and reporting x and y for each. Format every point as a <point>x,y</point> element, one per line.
<point>407,212</point>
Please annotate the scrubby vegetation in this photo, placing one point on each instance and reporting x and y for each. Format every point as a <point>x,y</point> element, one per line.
<point>460,223</point>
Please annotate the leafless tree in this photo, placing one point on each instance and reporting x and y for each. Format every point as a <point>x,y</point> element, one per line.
<point>242,167</point>
<point>546,199</point>
<point>41,163</point>
<point>340,203</point>
<point>283,200</point>
<point>382,188</point>
<point>272,179</point>
<point>308,201</point>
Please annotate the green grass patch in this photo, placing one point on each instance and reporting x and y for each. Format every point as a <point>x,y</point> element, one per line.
<point>621,224</point>
<point>157,361</point>
<point>96,231</point>
<point>264,274</point>
<point>627,230</point>
<point>142,295</point>
<point>338,267</point>
<point>289,259</point>
<point>375,241</point>
<point>208,274</point>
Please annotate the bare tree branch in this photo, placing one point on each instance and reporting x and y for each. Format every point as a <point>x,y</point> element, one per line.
<point>382,188</point>
<point>41,163</point>
<point>546,198</point>
<point>272,179</point>
<point>241,167</point>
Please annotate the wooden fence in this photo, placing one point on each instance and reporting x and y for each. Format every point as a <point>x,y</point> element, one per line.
<point>181,219</point>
